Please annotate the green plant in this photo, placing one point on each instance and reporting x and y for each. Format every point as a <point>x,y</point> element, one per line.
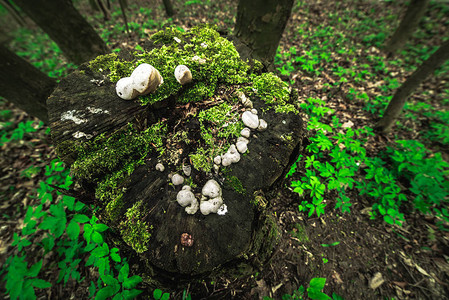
<point>314,291</point>
<point>7,134</point>
<point>427,173</point>
<point>62,224</point>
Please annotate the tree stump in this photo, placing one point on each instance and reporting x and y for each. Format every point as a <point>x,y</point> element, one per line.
<point>114,145</point>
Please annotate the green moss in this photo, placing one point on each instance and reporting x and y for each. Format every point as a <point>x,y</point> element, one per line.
<point>202,160</point>
<point>197,92</point>
<point>234,183</point>
<point>109,162</point>
<point>123,149</point>
<point>223,64</point>
<point>273,91</point>
<point>135,231</point>
<point>218,126</point>
<point>112,66</point>
<point>114,207</point>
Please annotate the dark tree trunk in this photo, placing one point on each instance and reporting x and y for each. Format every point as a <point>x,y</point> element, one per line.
<point>168,8</point>
<point>408,25</point>
<point>80,111</point>
<point>66,26</point>
<point>24,85</point>
<point>400,97</point>
<point>260,24</point>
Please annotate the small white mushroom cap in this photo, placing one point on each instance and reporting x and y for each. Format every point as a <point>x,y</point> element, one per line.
<point>242,139</point>
<point>187,199</point>
<point>211,206</point>
<point>242,144</point>
<point>125,89</point>
<point>217,159</point>
<point>242,147</point>
<point>231,156</point>
<point>211,189</point>
<point>254,111</point>
<point>177,179</point>
<point>199,59</point>
<point>250,120</point>
<point>262,125</point>
<point>183,74</point>
<point>246,132</point>
<point>160,167</point>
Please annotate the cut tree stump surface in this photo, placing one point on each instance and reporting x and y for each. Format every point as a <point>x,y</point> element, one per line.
<point>81,108</point>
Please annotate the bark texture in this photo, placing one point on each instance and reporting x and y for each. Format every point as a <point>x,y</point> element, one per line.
<point>408,25</point>
<point>66,26</point>
<point>396,104</point>
<point>260,24</point>
<point>24,85</point>
<point>168,8</point>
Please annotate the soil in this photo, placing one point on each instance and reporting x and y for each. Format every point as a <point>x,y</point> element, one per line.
<point>349,250</point>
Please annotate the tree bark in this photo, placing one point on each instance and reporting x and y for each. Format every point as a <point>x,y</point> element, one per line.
<point>400,97</point>
<point>24,85</point>
<point>168,8</point>
<point>408,25</point>
<point>260,24</point>
<point>66,26</point>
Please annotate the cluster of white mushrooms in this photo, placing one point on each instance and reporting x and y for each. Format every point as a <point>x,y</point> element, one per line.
<point>146,79</point>
<point>211,199</point>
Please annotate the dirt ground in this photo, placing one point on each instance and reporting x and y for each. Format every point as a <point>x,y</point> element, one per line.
<point>360,258</point>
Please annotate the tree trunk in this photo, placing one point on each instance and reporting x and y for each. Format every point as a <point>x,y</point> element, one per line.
<point>408,25</point>
<point>24,85</point>
<point>260,24</point>
<point>66,26</point>
<point>181,244</point>
<point>400,97</point>
<point>168,8</point>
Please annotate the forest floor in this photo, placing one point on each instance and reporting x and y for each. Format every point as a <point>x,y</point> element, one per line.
<point>361,257</point>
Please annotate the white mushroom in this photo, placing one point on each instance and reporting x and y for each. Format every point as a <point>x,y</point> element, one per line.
<point>231,156</point>
<point>177,179</point>
<point>211,206</point>
<point>217,159</point>
<point>246,132</point>
<point>242,144</point>
<point>183,74</point>
<point>144,79</point>
<point>211,189</point>
<point>125,89</point>
<point>262,125</point>
<point>254,111</point>
<point>160,167</point>
<point>250,120</point>
<point>187,199</point>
